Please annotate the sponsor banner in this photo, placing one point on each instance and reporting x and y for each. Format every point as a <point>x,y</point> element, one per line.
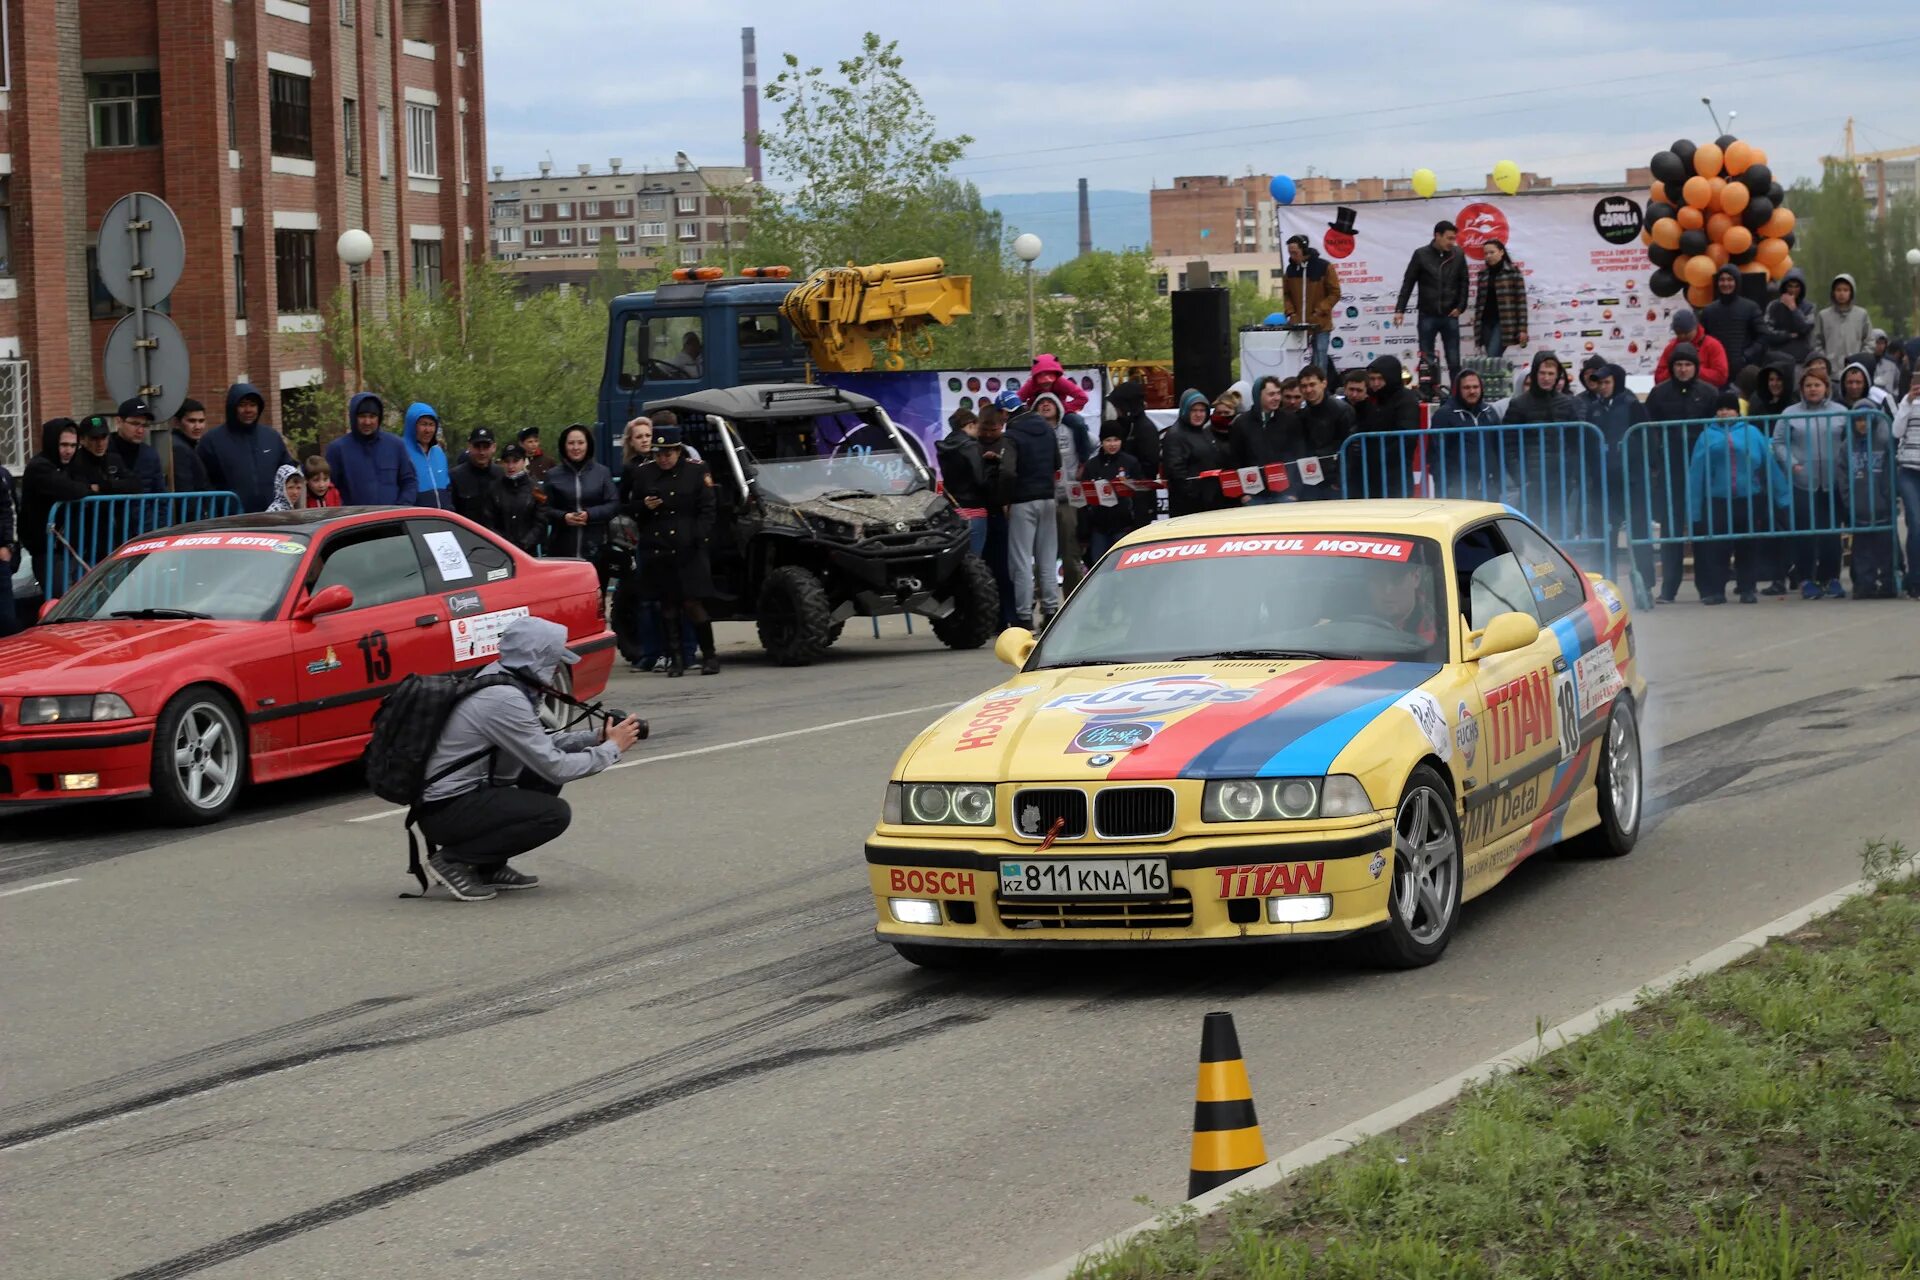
<point>1586,272</point>
<point>1598,677</point>
<point>920,402</point>
<point>479,636</point>
<point>1307,544</point>
<point>218,541</point>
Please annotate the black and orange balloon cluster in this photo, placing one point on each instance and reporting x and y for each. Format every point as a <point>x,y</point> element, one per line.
<point>1714,204</point>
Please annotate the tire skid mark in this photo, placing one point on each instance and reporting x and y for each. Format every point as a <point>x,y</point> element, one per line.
<point>134,1150</point>
<point>559,1130</point>
<point>816,968</point>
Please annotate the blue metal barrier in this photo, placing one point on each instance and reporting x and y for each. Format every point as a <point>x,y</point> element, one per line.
<point>1555,473</point>
<point>81,534</point>
<point>1762,499</point>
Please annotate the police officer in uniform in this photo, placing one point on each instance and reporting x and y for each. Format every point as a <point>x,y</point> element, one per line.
<point>672,502</point>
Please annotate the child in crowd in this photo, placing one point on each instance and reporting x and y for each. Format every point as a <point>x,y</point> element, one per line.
<point>1869,489</point>
<point>289,489</point>
<point>1733,479</point>
<point>320,490</point>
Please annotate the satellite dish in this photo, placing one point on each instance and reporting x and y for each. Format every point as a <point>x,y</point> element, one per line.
<point>166,384</point>
<point>156,246</point>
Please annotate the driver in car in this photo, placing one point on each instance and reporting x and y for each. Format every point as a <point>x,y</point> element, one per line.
<point>1396,596</point>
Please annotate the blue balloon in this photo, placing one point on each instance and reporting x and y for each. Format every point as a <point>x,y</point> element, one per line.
<point>1276,318</point>
<point>1282,188</point>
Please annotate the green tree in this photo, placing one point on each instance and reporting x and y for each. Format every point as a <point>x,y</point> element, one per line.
<point>488,357</point>
<point>1837,233</point>
<point>610,279</point>
<point>1106,306</point>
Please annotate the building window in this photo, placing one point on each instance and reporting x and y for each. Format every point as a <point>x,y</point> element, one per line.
<point>296,281</point>
<point>590,209</point>
<point>1249,277</point>
<point>689,256</point>
<point>589,235</point>
<point>233,107</point>
<point>380,27</point>
<point>535,236</point>
<point>564,209</point>
<point>6,224</point>
<point>623,234</point>
<point>689,231</point>
<point>623,208</point>
<point>346,13</point>
<point>290,114</point>
<point>123,109</point>
<point>507,235</point>
<point>565,236</point>
<point>426,267</point>
<point>239,273</point>
<point>652,204</point>
<point>536,212</point>
<point>1160,284</point>
<point>687,204</point>
<point>504,209</point>
<point>381,123</point>
<point>653,229</point>
<point>350,133</point>
<point>423,142</point>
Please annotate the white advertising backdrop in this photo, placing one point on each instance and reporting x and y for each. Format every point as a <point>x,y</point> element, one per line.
<point>1586,291</point>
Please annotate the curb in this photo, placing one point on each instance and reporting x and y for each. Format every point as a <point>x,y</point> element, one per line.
<point>1396,1114</point>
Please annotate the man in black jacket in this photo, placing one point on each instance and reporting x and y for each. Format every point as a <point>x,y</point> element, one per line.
<point>1439,271</point>
<point>1129,401</point>
<point>1113,465</point>
<point>98,465</point>
<point>1684,397</point>
<point>50,479</point>
<point>1737,323</point>
<point>672,501</point>
<point>9,552</point>
<point>1325,423</point>
<point>1033,542</point>
<point>476,481</point>
<point>1269,432</point>
<point>1389,406</point>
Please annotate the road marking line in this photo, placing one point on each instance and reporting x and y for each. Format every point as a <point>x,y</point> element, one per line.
<point>731,746</point>
<point>1793,640</point>
<point>1392,1117</point>
<point>44,884</point>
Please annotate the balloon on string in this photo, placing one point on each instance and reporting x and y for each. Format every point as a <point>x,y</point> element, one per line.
<point>1700,269</point>
<point>1684,148</point>
<point>1779,225</point>
<point>1275,318</point>
<point>1698,192</point>
<point>1735,197</point>
<point>1759,156</point>
<point>1669,168</point>
<point>1666,233</point>
<point>1739,155</point>
<point>1777,194</point>
<point>1659,209</point>
<point>1717,224</point>
<point>1659,193</point>
<point>1747,258</point>
<point>1663,283</point>
<point>1757,178</point>
<point>1425,183</point>
<point>1719,185</point>
<point>1506,176</point>
<point>1690,218</point>
<point>1661,256</point>
<point>1724,141</point>
<point>1719,254</point>
<point>1778,270</point>
<point>1693,242</point>
<point>1281,189</point>
<point>1706,160</point>
<point>1699,295</point>
<point>1772,252</point>
<point>1791,239</point>
<point>1737,239</point>
<point>1755,215</point>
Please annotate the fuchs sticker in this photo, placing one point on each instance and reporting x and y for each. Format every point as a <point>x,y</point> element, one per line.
<point>1598,677</point>
<point>1431,721</point>
<point>1466,735</point>
<point>1154,695</point>
<point>1113,735</point>
<point>1393,549</point>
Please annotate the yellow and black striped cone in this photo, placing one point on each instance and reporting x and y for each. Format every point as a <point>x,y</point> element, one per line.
<point>1226,1135</point>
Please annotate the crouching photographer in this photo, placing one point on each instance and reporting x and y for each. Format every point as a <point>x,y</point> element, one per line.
<point>492,782</point>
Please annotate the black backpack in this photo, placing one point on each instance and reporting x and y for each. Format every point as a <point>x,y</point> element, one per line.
<point>406,731</point>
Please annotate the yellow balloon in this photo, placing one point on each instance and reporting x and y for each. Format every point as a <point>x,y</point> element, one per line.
<point>1506,176</point>
<point>1424,182</point>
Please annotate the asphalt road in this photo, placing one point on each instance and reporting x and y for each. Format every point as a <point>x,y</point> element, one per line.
<point>237,1053</point>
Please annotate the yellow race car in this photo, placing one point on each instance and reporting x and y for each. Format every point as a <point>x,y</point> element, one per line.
<point>1280,721</point>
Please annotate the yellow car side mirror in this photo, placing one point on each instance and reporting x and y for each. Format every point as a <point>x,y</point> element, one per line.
<point>1504,634</point>
<point>1014,646</point>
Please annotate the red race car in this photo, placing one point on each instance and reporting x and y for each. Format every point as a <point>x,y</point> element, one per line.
<point>293,625</point>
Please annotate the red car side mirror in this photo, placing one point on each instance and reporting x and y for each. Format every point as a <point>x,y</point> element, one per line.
<point>47,608</point>
<point>331,599</point>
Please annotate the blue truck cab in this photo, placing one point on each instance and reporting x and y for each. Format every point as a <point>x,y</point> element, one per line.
<point>693,335</point>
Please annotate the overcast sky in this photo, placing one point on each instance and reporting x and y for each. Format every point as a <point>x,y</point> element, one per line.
<point>1129,93</point>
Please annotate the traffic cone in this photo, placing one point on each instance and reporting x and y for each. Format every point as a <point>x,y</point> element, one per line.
<point>1226,1135</point>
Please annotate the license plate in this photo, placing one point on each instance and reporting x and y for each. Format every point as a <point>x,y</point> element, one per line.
<point>1084,877</point>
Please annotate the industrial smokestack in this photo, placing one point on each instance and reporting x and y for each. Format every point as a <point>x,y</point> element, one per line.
<point>750,93</point>
<point>1086,222</point>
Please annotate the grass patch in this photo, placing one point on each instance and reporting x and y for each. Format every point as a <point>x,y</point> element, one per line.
<point>1762,1121</point>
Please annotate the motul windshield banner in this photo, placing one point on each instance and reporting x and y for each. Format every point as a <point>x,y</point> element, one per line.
<point>1311,544</point>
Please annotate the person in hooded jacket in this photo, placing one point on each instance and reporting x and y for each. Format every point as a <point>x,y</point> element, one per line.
<point>581,499</point>
<point>243,454</point>
<point>1076,446</point>
<point>1889,367</point>
<point>1129,402</point>
<point>1467,466</point>
<point>1389,406</point>
<point>1533,461</point>
<point>99,465</point>
<point>1685,397</point>
<point>1841,328</point>
<point>1865,459</point>
<point>371,467</point>
<point>1268,432</point>
<point>1033,529</point>
<point>1788,328</point>
<point>50,478</point>
<point>1734,482</point>
<point>963,475</point>
<point>1734,321</point>
<point>1857,390</point>
<point>1617,411</point>
<point>1107,525</point>
<point>432,477</point>
<point>1906,438</point>
<point>1047,376</point>
<point>1192,447</point>
<point>1807,439</point>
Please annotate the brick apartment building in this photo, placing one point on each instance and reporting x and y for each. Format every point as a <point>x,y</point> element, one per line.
<point>269,126</point>
<point>690,214</point>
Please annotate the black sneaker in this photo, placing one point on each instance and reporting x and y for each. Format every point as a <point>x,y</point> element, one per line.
<point>1748,597</point>
<point>459,879</point>
<point>505,877</point>
<point>1775,588</point>
<point>1713,599</point>
<point>709,665</point>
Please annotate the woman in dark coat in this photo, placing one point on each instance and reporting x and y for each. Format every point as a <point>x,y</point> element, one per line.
<point>580,500</point>
<point>672,502</point>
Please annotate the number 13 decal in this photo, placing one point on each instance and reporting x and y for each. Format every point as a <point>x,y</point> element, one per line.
<point>374,651</point>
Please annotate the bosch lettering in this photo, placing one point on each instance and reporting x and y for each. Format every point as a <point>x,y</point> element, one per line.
<point>947,884</point>
<point>1267,879</point>
<point>1519,715</point>
<point>987,724</point>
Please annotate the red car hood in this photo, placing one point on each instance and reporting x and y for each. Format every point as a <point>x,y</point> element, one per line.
<point>93,657</point>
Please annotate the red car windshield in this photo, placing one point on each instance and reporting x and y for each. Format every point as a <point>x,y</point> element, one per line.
<point>218,577</point>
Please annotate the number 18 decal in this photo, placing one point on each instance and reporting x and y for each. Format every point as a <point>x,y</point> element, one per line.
<point>1567,705</point>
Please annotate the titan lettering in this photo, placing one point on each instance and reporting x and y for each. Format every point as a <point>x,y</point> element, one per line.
<point>1270,879</point>
<point>1519,715</point>
<point>949,884</point>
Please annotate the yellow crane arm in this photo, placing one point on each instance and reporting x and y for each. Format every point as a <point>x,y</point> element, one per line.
<point>839,312</point>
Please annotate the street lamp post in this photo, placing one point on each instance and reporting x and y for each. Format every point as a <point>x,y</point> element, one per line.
<point>1913,261</point>
<point>1026,247</point>
<point>355,248</point>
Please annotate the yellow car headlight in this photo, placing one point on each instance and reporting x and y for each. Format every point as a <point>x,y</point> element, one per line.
<point>937,804</point>
<point>1283,799</point>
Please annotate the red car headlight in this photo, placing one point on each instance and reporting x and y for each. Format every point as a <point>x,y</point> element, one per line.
<point>78,708</point>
